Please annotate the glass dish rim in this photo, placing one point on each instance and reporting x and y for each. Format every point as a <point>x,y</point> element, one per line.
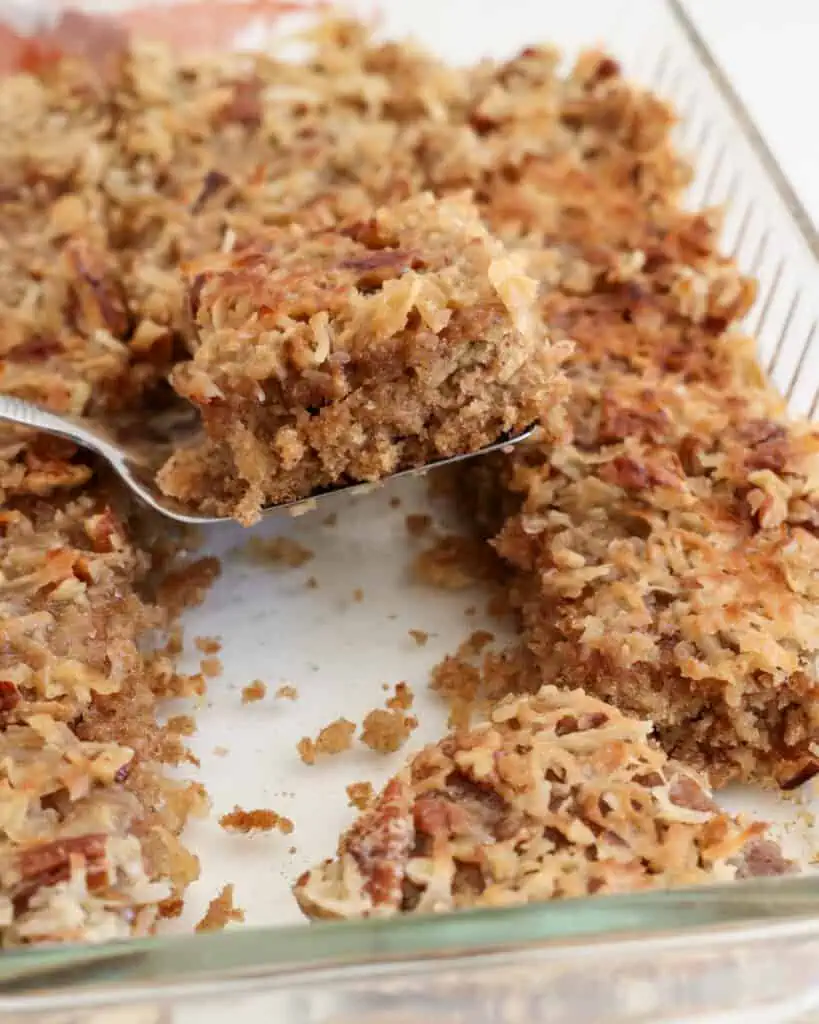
<point>748,910</point>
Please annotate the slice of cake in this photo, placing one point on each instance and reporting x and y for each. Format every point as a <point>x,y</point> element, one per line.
<point>349,354</point>
<point>557,795</point>
<point>666,561</point>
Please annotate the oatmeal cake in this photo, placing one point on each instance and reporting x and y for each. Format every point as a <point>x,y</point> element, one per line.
<point>131,189</point>
<point>346,355</point>
<point>558,795</point>
<point>663,561</point>
<point>88,840</point>
<point>667,561</point>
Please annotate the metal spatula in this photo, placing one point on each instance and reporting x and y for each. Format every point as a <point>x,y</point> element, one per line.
<point>137,461</point>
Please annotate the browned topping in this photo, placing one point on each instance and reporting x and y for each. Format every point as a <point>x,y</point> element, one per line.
<point>361,795</point>
<point>523,808</point>
<point>387,731</point>
<point>332,739</point>
<point>260,820</point>
<point>255,691</point>
<point>221,912</point>
<point>662,555</point>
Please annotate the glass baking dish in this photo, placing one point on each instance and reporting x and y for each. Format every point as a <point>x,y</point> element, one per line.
<point>745,952</point>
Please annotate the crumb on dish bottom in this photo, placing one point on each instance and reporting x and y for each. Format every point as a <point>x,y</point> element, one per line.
<point>557,795</point>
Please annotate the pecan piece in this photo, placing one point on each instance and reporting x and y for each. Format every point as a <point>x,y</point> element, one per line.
<point>381,843</point>
<point>632,475</point>
<point>212,183</point>
<point>48,864</point>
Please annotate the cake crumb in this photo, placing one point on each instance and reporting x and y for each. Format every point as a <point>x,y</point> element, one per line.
<point>208,644</point>
<point>358,595</point>
<point>331,520</point>
<point>220,751</point>
<point>211,667</point>
<point>387,731</point>
<point>174,644</point>
<point>278,551</point>
<point>420,636</point>
<point>221,912</point>
<point>182,725</point>
<point>453,563</point>
<point>254,691</point>
<point>171,907</point>
<point>332,739</point>
<point>470,611</point>
<point>262,819</point>
<point>499,606</point>
<point>360,795</point>
<point>395,502</point>
<point>287,692</point>
<point>403,698</point>
<point>311,583</point>
<point>417,524</point>
<point>475,643</point>
<point>458,683</point>
<point>187,586</point>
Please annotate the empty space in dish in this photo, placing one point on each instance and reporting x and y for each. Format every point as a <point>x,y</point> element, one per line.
<point>340,641</point>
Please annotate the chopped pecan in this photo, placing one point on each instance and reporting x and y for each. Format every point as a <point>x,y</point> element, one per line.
<point>759,431</point>
<point>436,815</point>
<point>104,531</point>
<point>618,422</point>
<point>382,841</point>
<point>632,475</point>
<point>367,232</point>
<point>100,300</point>
<point>212,183</point>
<point>36,349</point>
<point>377,267</point>
<point>685,792</point>
<point>48,864</point>
<point>9,697</point>
<point>762,858</point>
<point>245,105</point>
